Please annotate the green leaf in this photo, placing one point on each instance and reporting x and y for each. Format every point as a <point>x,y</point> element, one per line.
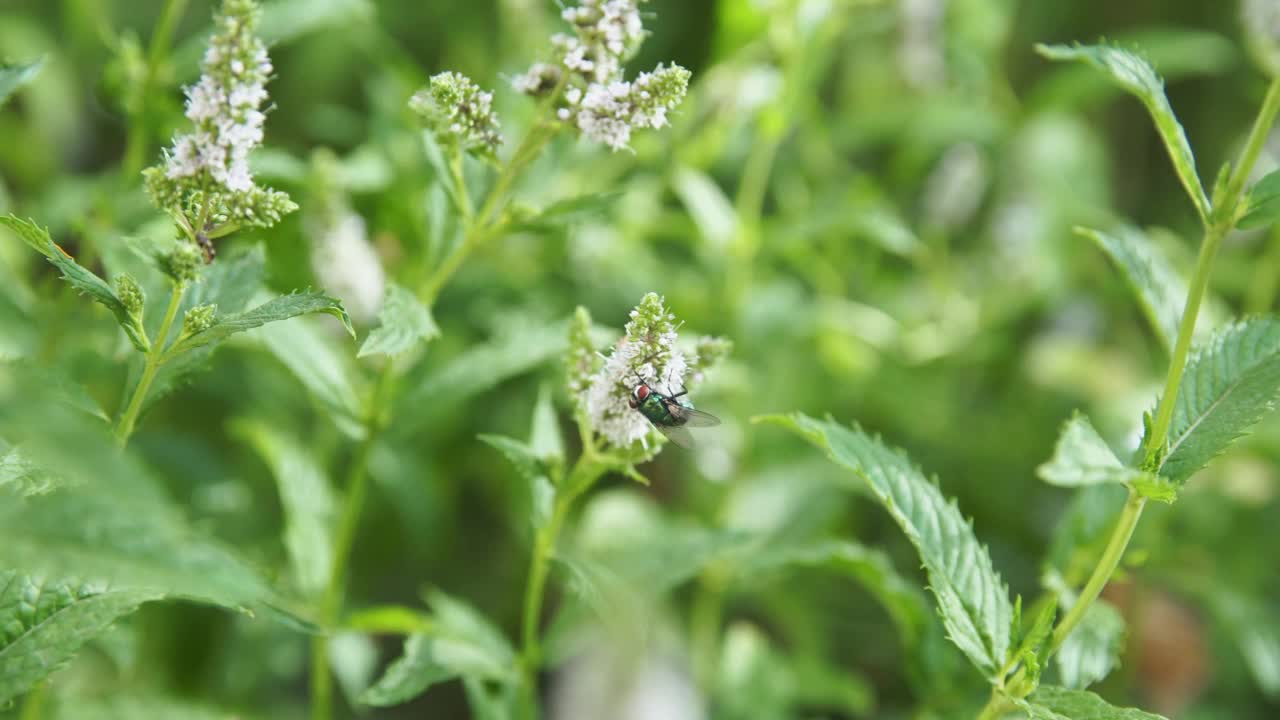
<point>403,322</point>
<point>1253,627</point>
<point>1057,703</point>
<point>545,439</point>
<point>1082,457</point>
<point>1136,76</point>
<point>1030,643</point>
<point>79,278</point>
<point>1263,205</point>
<point>567,212</point>
<point>120,706</point>
<point>710,208</point>
<point>274,310</point>
<point>388,619</point>
<point>313,357</point>
<point>43,624</point>
<point>903,601</point>
<point>231,282</point>
<point>1092,650</point>
<point>307,497</point>
<point>1228,385</point>
<point>974,603</point>
<point>476,370</point>
<point>541,492</point>
<point>109,520</point>
<point>461,643</point>
<point>1161,292</point>
<point>13,77</point>
<point>20,476</point>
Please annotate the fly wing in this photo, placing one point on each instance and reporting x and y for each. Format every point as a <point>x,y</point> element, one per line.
<point>689,417</point>
<point>677,435</point>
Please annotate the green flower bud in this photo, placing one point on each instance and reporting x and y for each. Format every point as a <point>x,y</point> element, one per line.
<point>581,360</point>
<point>459,113</point>
<point>131,294</point>
<point>183,262</point>
<point>199,318</point>
<point>708,352</point>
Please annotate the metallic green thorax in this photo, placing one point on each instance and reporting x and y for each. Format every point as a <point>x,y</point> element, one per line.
<point>655,409</point>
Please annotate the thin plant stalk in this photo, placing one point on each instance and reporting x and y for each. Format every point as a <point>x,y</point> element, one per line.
<point>151,365</point>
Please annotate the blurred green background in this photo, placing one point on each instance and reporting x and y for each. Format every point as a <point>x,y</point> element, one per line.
<point>873,200</point>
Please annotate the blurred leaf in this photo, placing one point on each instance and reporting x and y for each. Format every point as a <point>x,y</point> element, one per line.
<point>283,21</point>
<point>477,369</point>
<point>307,498</point>
<point>1057,703</point>
<point>403,322</point>
<point>1228,385</point>
<point>83,280</point>
<point>110,520</point>
<point>383,619</point>
<point>1082,531</point>
<point>231,282</point>
<point>545,439</point>
<point>1161,292</point>
<point>461,643</point>
<point>15,76</point>
<point>711,209</point>
<point>974,602</point>
<point>1093,648</point>
<point>485,703</point>
<point>1136,76</point>
<point>43,624</point>
<point>1263,206</point>
<point>313,357</point>
<point>1253,627</point>
<point>531,468</point>
<point>567,212</point>
<point>274,310</point>
<point>904,602</point>
<point>123,706</point>
<point>1082,457</point>
<point>20,476</point>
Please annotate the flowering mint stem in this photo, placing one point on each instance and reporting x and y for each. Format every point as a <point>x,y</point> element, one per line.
<point>585,472</point>
<point>486,222</point>
<point>1221,222</point>
<point>151,365</point>
<point>357,487</point>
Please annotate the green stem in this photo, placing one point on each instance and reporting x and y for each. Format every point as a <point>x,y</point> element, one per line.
<point>1107,564</point>
<point>357,486</point>
<point>1222,221</point>
<point>995,708</point>
<point>460,181</point>
<point>584,474</point>
<point>704,626</point>
<point>33,704</point>
<point>151,365</point>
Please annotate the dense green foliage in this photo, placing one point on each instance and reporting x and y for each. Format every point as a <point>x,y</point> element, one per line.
<point>321,326</point>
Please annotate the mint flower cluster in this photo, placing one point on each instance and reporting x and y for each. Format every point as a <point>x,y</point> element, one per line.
<point>648,353</point>
<point>204,180</point>
<point>459,113</point>
<point>596,98</point>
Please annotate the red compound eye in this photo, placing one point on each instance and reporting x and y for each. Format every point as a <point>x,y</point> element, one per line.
<point>642,392</point>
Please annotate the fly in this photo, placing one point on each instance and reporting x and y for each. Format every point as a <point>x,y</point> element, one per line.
<point>672,415</point>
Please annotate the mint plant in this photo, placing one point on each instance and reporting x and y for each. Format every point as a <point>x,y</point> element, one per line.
<point>376,407</point>
<point>1210,399</point>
